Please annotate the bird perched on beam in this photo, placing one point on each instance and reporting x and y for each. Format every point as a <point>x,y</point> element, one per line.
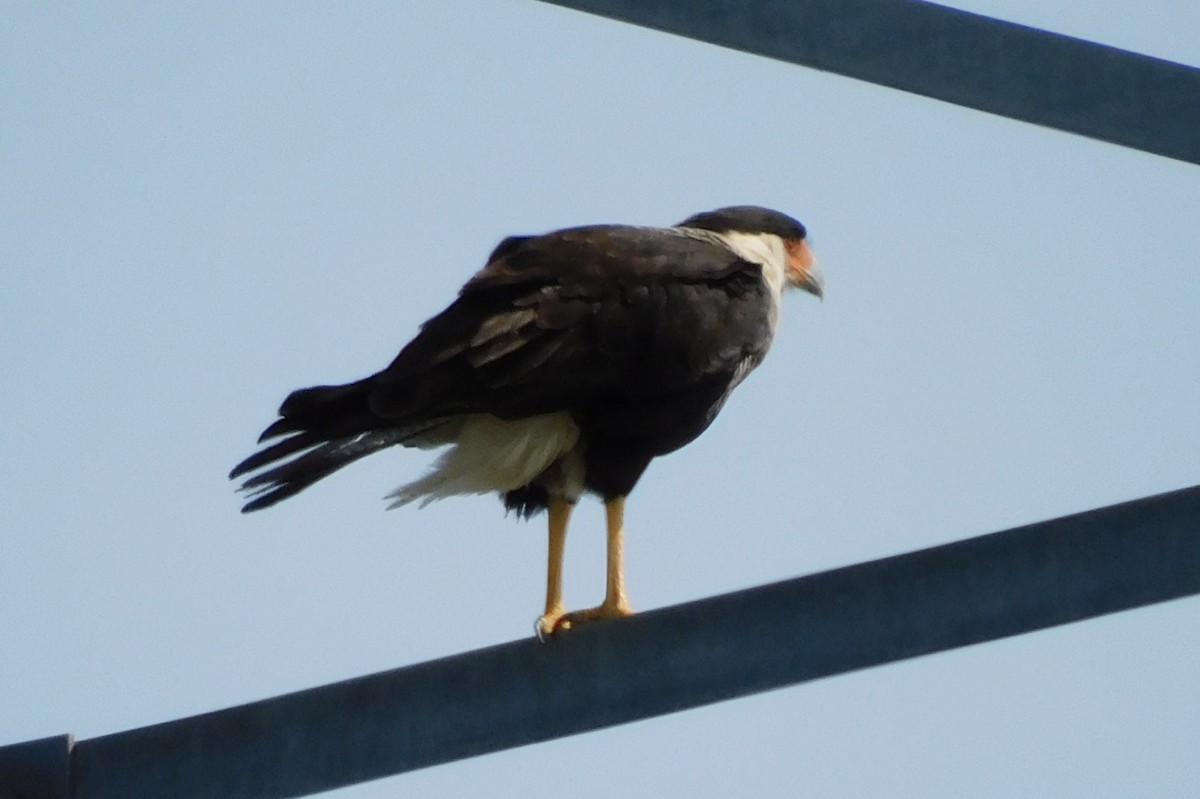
<point>565,365</point>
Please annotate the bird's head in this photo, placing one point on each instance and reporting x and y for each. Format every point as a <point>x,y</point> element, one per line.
<point>802,270</point>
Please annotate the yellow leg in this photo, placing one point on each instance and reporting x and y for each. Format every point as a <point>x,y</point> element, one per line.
<point>614,593</point>
<point>560,513</point>
<point>615,602</point>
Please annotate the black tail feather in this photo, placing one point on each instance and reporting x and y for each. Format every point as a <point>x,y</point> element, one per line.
<point>306,403</point>
<point>278,451</point>
<point>334,411</point>
<point>327,427</point>
<point>295,475</point>
<point>279,427</point>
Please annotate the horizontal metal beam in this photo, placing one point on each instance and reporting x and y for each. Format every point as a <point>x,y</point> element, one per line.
<point>661,661</point>
<point>39,769</point>
<point>975,61</point>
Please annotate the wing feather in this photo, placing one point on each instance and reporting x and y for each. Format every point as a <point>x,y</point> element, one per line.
<point>578,316</point>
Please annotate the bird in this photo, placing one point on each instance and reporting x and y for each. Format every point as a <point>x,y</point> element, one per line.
<point>564,366</point>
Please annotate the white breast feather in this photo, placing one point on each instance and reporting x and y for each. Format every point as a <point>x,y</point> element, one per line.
<point>492,454</point>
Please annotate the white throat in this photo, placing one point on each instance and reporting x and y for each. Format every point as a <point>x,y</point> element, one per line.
<point>766,249</point>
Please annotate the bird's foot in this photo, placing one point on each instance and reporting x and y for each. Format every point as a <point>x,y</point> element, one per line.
<point>556,621</point>
<point>607,610</point>
<point>547,623</point>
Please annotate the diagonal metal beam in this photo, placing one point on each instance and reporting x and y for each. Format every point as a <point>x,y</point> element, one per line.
<point>979,589</point>
<point>983,63</point>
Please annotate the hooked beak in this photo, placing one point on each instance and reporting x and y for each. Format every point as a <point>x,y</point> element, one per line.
<point>803,270</point>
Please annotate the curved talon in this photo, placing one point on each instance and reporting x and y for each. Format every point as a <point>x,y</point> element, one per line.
<point>546,625</point>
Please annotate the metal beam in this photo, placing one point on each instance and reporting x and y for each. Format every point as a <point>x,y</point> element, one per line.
<point>980,589</point>
<point>983,63</point>
<point>39,769</point>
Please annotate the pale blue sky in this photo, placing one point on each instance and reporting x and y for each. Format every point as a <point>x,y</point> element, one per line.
<point>203,208</point>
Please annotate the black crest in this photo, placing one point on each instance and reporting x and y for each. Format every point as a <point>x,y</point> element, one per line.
<point>747,219</point>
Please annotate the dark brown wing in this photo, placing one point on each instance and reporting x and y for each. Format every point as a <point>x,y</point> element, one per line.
<point>580,316</point>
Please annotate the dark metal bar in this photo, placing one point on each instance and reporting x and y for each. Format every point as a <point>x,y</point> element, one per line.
<point>37,769</point>
<point>983,63</point>
<point>662,661</point>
